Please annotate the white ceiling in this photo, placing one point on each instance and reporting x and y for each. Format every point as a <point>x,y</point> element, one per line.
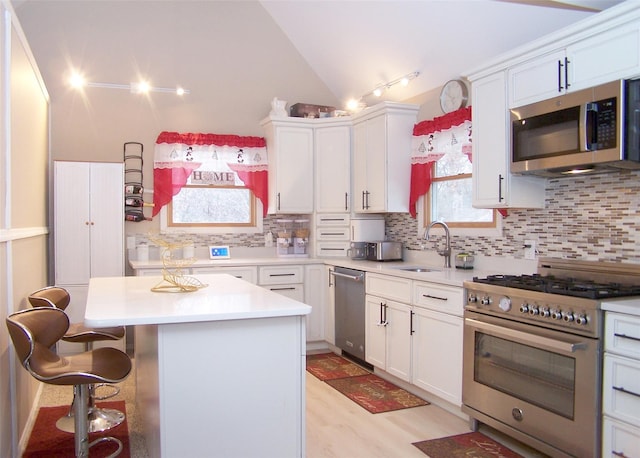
<point>355,46</point>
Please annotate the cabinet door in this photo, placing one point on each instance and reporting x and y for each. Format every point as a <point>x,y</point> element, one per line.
<point>493,184</point>
<point>399,340</point>
<point>330,307</point>
<point>72,235</point>
<point>621,388</point>
<point>619,439</point>
<point>293,170</point>
<point>607,56</point>
<point>315,296</point>
<point>437,354</point>
<point>537,79</point>
<point>359,166</point>
<point>333,168</point>
<point>376,168</point>
<point>107,220</point>
<point>375,332</point>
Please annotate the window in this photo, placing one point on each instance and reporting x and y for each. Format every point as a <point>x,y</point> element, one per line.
<point>209,206</point>
<point>450,196</point>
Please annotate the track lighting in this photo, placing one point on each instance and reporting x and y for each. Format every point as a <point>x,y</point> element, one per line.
<point>142,87</point>
<point>358,104</point>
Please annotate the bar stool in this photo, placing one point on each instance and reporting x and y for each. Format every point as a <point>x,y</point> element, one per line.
<point>33,332</point>
<point>100,419</point>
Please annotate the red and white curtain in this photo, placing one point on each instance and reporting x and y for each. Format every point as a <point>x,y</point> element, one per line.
<point>209,159</point>
<point>431,140</point>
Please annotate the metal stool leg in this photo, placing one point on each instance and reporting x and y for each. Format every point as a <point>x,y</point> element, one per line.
<point>100,419</point>
<point>81,425</point>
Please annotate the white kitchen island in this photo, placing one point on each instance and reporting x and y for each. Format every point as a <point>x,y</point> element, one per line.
<point>220,372</point>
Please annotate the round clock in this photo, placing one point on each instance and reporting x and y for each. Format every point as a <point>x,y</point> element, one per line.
<point>454,95</point>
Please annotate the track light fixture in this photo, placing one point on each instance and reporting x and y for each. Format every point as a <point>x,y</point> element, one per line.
<point>141,87</point>
<point>358,104</point>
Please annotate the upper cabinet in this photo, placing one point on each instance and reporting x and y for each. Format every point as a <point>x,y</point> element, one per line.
<point>382,157</point>
<point>290,152</point>
<point>606,56</point>
<point>493,184</point>
<point>332,140</point>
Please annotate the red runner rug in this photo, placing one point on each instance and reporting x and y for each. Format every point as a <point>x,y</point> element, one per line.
<point>48,441</point>
<point>329,366</point>
<point>376,394</point>
<point>475,445</point>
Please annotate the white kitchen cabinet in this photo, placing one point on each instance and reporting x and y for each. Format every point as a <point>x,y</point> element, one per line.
<point>605,56</point>
<point>315,296</point>
<point>388,336</point>
<point>285,280</point>
<point>332,234</point>
<point>621,385</point>
<point>88,230</point>
<point>388,324</point>
<point>330,306</point>
<point>290,151</point>
<point>332,141</point>
<point>437,354</point>
<point>493,184</point>
<point>382,157</point>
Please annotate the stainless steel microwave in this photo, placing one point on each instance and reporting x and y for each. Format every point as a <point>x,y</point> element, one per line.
<point>590,130</point>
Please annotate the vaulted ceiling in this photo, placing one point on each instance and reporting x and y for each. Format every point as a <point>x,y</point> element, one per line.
<point>355,46</point>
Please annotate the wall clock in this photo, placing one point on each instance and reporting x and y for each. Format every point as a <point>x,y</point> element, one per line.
<point>454,95</point>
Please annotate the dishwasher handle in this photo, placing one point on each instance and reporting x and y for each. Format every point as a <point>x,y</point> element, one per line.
<point>350,277</point>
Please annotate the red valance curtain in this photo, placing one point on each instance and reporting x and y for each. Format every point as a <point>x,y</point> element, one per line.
<point>431,140</point>
<point>219,159</point>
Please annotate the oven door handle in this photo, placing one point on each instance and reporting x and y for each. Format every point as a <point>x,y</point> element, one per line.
<point>527,338</point>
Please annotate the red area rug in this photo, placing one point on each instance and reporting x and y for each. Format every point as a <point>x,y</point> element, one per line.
<point>329,366</point>
<point>48,441</point>
<point>376,394</point>
<point>469,445</point>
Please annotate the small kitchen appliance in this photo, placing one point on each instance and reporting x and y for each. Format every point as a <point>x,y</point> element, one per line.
<point>384,251</point>
<point>358,250</point>
<point>532,352</point>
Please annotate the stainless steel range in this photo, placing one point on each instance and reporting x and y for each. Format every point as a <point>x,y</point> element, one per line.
<point>533,352</point>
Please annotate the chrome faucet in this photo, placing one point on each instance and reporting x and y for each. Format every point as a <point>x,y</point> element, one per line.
<point>447,251</point>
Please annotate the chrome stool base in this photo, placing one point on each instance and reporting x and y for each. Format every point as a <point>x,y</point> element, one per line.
<point>99,420</point>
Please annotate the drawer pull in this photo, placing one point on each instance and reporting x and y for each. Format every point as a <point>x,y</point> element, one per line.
<point>331,233</point>
<point>620,454</point>
<point>624,336</point>
<point>622,390</point>
<point>429,296</point>
<point>281,289</point>
<point>281,275</point>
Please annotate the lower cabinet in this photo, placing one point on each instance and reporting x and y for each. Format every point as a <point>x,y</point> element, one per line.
<point>285,280</point>
<point>388,336</point>
<point>315,296</point>
<point>437,354</point>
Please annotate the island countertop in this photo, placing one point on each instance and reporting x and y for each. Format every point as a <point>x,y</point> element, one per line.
<point>115,301</point>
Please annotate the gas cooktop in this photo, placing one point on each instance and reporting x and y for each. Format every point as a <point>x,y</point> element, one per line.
<point>575,287</point>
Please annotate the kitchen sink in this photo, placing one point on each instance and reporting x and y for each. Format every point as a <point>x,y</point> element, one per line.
<point>419,269</point>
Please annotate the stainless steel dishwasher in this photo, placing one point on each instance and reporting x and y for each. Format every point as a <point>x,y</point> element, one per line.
<point>350,310</point>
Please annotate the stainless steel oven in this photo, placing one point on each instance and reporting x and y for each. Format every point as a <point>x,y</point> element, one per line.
<point>532,353</point>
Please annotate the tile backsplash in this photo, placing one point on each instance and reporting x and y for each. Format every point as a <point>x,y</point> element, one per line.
<point>591,217</point>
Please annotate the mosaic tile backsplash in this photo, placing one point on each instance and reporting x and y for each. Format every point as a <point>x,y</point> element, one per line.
<point>593,217</point>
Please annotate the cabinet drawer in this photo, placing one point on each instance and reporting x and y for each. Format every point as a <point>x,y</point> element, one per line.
<point>388,286</point>
<point>333,233</point>
<point>280,275</point>
<point>295,292</point>
<point>154,272</point>
<point>619,439</point>
<point>441,298</point>
<point>621,388</point>
<point>245,273</point>
<point>332,248</point>
<point>330,219</point>
<point>622,334</point>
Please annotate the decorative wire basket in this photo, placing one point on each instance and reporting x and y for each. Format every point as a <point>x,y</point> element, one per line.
<point>174,278</point>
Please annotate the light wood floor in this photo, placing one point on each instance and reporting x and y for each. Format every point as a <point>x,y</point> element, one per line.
<point>336,426</point>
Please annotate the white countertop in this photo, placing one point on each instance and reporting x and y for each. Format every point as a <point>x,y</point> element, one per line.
<point>629,305</point>
<point>115,301</point>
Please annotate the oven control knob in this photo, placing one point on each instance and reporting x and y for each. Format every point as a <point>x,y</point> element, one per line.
<point>505,304</point>
<point>556,315</point>
<point>544,312</point>
<point>581,319</point>
<point>534,310</point>
<point>524,308</point>
<point>568,317</point>
<point>486,300</point>
<point>472,298</point>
